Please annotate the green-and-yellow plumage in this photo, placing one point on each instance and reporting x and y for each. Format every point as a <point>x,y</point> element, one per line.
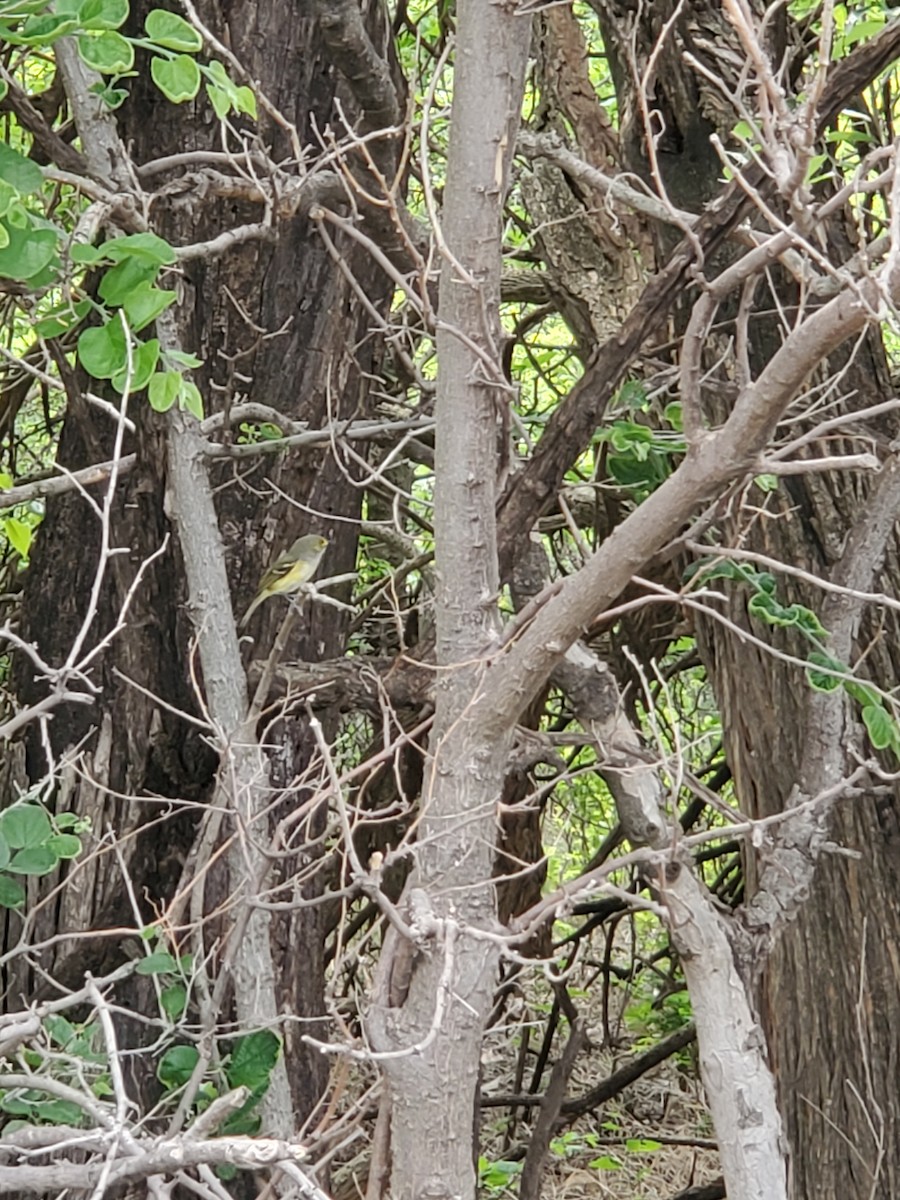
<point>290,570</point>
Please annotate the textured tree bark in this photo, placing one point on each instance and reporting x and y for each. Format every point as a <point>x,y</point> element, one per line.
<point>431,1027</point>
<point>828,999</point>
<point>310,364</point>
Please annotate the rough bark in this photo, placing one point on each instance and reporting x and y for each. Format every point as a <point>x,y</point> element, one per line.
<point>829,972</point>
<point>431,1031</point>
<point>311,366</point>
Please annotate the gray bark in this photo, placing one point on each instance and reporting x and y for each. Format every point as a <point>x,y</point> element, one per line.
<point>433,1032</point>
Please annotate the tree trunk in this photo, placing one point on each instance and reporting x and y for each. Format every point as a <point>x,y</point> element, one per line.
<point>430,1028</point>
<point>275,322</point>
<point>828,999</point>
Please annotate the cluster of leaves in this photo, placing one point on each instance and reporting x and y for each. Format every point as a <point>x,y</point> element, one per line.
<point>75,1054</point>
<point>111,351</point>
<point>573,1143</point>
<point>641,454</point>
<point>33,247</point>
<point>33,844</point>
<point>249,1064</point>
<point>72,1049</point>
<point>825,673</point>
<point>497,1177</point>
<point>95,26</point>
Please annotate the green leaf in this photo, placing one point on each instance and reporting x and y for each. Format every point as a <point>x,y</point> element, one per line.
<point>629,436</point>
<point>19,535</point>
<point>61,1030</point>
<point>12,894</point>
<point>766,608</point>
<point>83,254</point>
<point>184,360</point>
<point>174,1001</point>
<point>61,319</point>
<point>65,845</point>
<point>863,30</point>
<point>178,78</point>
<point>862,693</point>
<point>633,471</point>
<point>21,8</point>
<point>145,246</point>
<point>177,1065</point>
<point>18,218</point>
<point>766,483</point>
<point>5,853</point>
<point>818,679</point>
<point>245,101</point>
<point>219,100</point>
<point>191,400</point>
<point>706,571</point>
<point>159,963</point>
<point>25,825</point>
<point>224,92</point>
<point>103,14</point>
<point>58,1112</point>
<point>880,726</point>
<point>807,620</point>
<point>43,30</point>
<point>27,252</point>
<point>220,77</point>
<point>9,201</point>
<point>642,1145</point>
<point>143,363</point>
<point>125,277</point>
<point>145,303</point>
<point>66,820</point>
<point>112,97</point>
<point>253,1060</point>
<point>106,52</point>
<point>632,394</point>
<point>244,1121</point>
<point>35,860</point>
<point>672,413</point>
<point>163,389</point>
<point>169,30</point>
<point>606,1162</point>
<point>101,350</point>
<point>18,171</point>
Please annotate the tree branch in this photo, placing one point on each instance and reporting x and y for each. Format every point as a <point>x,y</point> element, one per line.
<point>359,62</point>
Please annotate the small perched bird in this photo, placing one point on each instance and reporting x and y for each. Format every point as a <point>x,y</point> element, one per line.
<point>290,570</point>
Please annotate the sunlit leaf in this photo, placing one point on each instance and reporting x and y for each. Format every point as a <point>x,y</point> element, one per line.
<point>880,726</point>
<point>177,78</point>
<point>163,389</point>
<point>169,30</point>
<point>106,52</point>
